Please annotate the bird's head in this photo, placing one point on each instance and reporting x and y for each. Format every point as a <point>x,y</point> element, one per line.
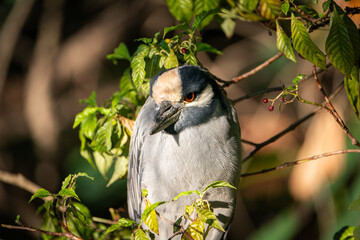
<point>184,97</point>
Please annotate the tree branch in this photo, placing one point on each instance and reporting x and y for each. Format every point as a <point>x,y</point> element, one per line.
<point>290,164</point>
<point>333,111</point>
<point>259,146</point>
<point>34,229</point>
<point>18,180</point>
<point>253,71</point>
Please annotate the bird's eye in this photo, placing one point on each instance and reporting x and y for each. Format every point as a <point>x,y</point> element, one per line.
<point>189,97</point>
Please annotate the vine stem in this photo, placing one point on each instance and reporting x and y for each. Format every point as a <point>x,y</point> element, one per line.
<point>333,111</point>
<point>298,162</point>
<point>253,71</point>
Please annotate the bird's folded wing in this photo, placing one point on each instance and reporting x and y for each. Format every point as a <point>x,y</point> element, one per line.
<point>140,132</point>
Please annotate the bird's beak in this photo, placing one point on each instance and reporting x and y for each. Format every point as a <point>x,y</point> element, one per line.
<point>167,114</point>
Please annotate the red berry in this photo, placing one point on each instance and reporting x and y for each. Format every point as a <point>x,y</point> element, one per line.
<point>183,50</point>
<point>282,99</point>
<point>265,100</point>
<point>271,108</point>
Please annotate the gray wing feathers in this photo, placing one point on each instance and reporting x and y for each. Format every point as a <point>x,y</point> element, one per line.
<point>140,132</point>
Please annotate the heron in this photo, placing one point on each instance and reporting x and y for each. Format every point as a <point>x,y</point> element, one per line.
<point>186,136</point>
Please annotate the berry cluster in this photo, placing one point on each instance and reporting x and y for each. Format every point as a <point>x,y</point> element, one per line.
<point>271,107</point>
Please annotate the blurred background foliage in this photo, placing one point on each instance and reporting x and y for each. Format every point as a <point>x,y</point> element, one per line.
<point>53,53</point>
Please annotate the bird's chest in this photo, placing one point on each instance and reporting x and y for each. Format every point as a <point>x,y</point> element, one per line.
<point>183,162</point>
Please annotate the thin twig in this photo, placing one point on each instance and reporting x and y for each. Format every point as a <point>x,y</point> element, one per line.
<point>182,230</point>
<point>250,95</point>
<point>34,229</point>
<point>290,164</point>
<point>305,15</point>
<point>333,111</point>
<point>272,139</point>
<point>275,89</point>
<point>253,71</point>
<point>259,146</point>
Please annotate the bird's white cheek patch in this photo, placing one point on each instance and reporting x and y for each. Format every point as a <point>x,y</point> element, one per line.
<point>167,87</point>
<point>203,99</point>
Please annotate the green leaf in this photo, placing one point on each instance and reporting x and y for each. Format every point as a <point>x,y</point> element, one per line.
<point>355,205</point>
<point>148,210</point>
<point>228,27</point>
<point>88,125</point>
<point>204,47</point>
<point>285,7</point>
<point>121,52</point>
<point>102,139</point>
<point>269,9</point>
<point>338,45</point>
<point>250,5</point>
<point>204,5</point>
<point>151,220</point>
<point>139,234</point>
<point>181,10</point>
<point>83,114</point>
<point>352,86</point>
<point>144,192</point>
<point>304,45</point>
<point>90,101</point>
<point>184,26</point>
<point>82,174</point>
<point>120,170</point>
<point>190,59</point>
<point>66,181</point>
<point>195,230</point>
<point>206,214</point>
<point>217,184</point>
<point>17,220</point>
<point>283,43</point>
<point>51,224</point>
<point>122,222</point>
<point>345,233</point>
<point>171,61</point>
<point>68,193</point>
<point>138,65</point>
<point>202,16</point>
<point>103,162</point>
<point>41,193</point>
<point>326,5</point>
<point>186,193</point>
<point>298,78</point>
<point>357,232</point>
<point>177,225</point>
<point>353,35</point>
<point>83,212</point>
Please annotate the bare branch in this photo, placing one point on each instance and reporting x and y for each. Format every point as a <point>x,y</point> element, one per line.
<point>259,146</point>
<point>290,164</point>
<point>253,71</point>
<point>18,180</point>
<point>34,229</point>
<point>250,95</point>
<point>333,111</point>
